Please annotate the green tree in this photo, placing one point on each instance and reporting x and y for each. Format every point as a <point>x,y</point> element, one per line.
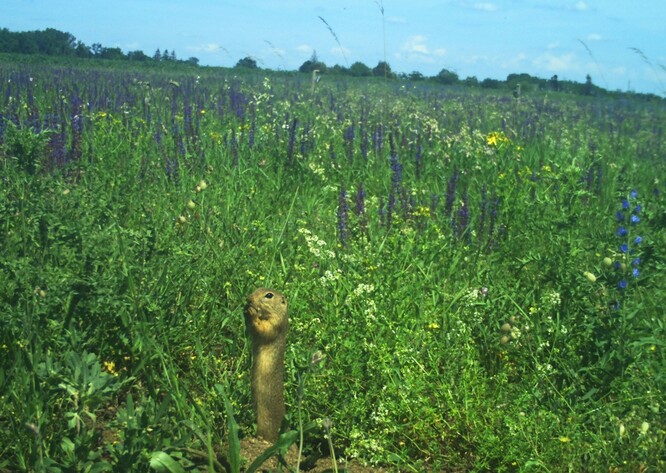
<point>82,50</point>
<point>587,88</point>
<point>382,69</point>
<point>471,81</point>
<point>358,69</point>
<point>313,64</point>
<point>137,56</point>
<point>247,62</point>
<point>112,53</point>
<point>447,77</point>
<point>97,49</point>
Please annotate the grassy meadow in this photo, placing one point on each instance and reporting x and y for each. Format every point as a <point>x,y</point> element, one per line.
<point>482,274</point>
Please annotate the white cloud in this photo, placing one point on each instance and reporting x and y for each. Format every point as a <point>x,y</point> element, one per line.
<point>416,44</point>
<point>416,49</point>
<point>485,6</point>
<point>557,63</point>
<point>305,49</point>
<point>581,6</point>
<point>594,37</point>
<point>206,48</point>
<point>554,45</point>
<point>341,52</point>
<point>514,61</point>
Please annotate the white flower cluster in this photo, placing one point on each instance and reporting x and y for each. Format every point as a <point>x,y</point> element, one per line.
<point>316,246</point>
<point>330,277</point>
<point>552,299</point>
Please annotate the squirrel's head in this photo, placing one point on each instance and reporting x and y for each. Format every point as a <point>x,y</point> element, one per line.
<point>267,303</point>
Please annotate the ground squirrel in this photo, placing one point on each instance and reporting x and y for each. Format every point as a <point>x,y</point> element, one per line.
<point>267,324</point>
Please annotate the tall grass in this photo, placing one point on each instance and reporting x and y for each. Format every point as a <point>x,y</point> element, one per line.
<point>456,257</point>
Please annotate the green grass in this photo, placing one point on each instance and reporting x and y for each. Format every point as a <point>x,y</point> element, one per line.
<point>122,282</point>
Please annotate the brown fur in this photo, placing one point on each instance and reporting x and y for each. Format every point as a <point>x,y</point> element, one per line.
<point>267,325</point>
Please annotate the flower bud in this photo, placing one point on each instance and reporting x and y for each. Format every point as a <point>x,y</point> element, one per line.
<point>590,277</point>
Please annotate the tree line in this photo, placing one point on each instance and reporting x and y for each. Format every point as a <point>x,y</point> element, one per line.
<point>52,42</point>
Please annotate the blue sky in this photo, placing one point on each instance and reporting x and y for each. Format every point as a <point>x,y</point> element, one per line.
<point>484,38</point>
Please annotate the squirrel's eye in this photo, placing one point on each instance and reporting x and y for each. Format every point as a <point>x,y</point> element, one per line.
<point>269,295</point>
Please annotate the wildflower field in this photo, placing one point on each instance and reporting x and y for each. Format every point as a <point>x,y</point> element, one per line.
<point>483,274</point>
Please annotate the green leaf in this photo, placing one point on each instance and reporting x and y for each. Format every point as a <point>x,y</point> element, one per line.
<point>163,462</point>
<point>67,445</point>
<point>232,425</point>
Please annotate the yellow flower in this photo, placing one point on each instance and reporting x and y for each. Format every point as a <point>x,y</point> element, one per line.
<point>564,439</point>
<point>110,366</point>
<point>422,211</point>
<point>496,138</point>
<point>433,325</point>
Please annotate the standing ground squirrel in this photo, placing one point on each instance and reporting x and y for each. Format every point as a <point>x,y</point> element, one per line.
<point>267,324</point>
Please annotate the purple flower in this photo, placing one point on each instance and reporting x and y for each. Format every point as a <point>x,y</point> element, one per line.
<point>635,219</point>
<point>635,273</point>
<point>625,204</point>
<point>624,248</point>
<point>633,194</point>
<point>638,209</point>
<point>638,240</point>
<point>622,232</point>
<point>622,284</point>
<point>620,216</point>
<point>636,262</point>
<point>451,192</point>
